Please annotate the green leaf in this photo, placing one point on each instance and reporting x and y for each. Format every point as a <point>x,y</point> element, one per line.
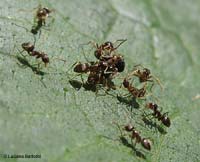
<point>41,113</point>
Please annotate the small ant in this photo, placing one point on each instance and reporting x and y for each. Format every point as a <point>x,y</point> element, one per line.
<point>105,49</point>
<point>145,142</point>
<point>41,16</point>
<point>135,92</point>
<point>29,48</point>
<point>144,75</point>
<point>157,114</point>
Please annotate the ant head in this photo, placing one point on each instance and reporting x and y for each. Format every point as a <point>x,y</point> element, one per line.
<point>146,143</point>
<point>147,71</point>
<point>152,106</point>
<point>28,47</point>
<point>120,65</point>
<point>43,12</point>
<point>126,83</point>
<point>128,127</point>
<point>108,45</point>
<point>97,54</point>
<point>47,10</point>
<point>166,121</point>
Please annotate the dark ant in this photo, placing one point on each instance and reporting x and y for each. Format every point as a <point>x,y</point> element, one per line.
<point>157,114</point>
<point>138,139</point>
<point>105,49</point>
<point>29,48</point>
<point>145,142</point>
<point>135,92</point>
<point>145,75</point>
<point>41,16</point>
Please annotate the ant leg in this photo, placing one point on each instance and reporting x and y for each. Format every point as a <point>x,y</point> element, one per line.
<point>158,81</point>
<point>27,30</point>
<point>50,23</point>
<point>39,67</point>
<point>121,42</point>
<point>118,126</point>
<point>84,55</point>
<point>60,59</point>
<point>20,52</point>
<point>151,84</point>
<point>139,65</point>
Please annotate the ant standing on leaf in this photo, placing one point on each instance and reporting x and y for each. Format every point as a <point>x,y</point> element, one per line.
<point>104,50</point>
<point>29,48</point>
<point>145,75</point>
<point>157,114</point>
<point>135,135</point>
<point>40,18</point>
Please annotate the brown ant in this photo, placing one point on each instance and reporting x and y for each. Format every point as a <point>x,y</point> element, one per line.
<point>105,49</point>
<point>145,142</point>
<point>40,19</point>
<point>135,92</point>
<point>29,48</point>
<point>145,75</point>
<point>157,114</point>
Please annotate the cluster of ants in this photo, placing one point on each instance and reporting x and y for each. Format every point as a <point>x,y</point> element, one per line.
<point>109,63</point>
<point>102,72</point>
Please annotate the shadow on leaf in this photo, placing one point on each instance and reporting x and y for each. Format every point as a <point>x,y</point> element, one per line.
<point>25,63</point>
<point>129,102</point>
<point>152,124</point>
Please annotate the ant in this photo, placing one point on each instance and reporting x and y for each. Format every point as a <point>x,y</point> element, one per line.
<point>40,19</point>
<point>135,92</point>
<point>145,75</point>
<point>145,142</point>
<point>157,114</point>
<point>105,49</point>
<point>29,48</point>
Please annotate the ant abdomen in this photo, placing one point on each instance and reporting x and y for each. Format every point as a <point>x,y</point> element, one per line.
<point>28,47</point>
<point>81,68</point>
<point>146,143</point>
<point>166,121</point>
